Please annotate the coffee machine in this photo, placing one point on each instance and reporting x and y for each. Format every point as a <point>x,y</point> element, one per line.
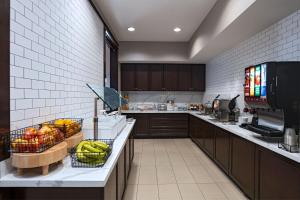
<point>225,110</point>
<point>272,91</point>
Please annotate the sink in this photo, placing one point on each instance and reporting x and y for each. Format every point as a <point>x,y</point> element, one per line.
<point>109,127</point>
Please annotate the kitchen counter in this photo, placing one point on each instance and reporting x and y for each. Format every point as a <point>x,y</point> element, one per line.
<point>250,136</point>
<point>63,175</point>
<point>157,111</point>
<point>235,129</point>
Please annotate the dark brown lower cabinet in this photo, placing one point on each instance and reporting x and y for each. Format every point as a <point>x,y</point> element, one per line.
<point>161,125</point>
<point>168,125</point>
<point>127,158</point>
<point>141,127</point>
<point>277,176</point>
<point>131,148</point>
<point>222,150</point>
<point>209,139</point>
<point>243,164</point>
<point>203,134</point>
<point>111,186</point>
<point>54,193</point>
<point>200,132</point>
<point>121,175</point>
<point>259,172</point>
<point>193,128</point>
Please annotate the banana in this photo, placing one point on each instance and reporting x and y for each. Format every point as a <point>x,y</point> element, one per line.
<point>92,152</point>
<point>93,161</point>
<point>97,147</point>
<point>79,147</point>
<point>101,145</point>
<point>91,149</point>
<point>79,154</point>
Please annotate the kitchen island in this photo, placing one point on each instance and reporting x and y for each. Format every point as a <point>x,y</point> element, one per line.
<point>65,182</point>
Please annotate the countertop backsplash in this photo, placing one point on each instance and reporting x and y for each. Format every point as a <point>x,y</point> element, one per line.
<point>161,97</point>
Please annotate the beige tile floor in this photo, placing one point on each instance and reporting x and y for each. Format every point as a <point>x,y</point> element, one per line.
<point>176,169</point>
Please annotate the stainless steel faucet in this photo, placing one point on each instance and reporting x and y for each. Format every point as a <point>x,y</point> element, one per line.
<point>96,118</point>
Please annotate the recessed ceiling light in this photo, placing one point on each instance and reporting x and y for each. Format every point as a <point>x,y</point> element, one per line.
<point>131,29</point>
<point>177,29</point>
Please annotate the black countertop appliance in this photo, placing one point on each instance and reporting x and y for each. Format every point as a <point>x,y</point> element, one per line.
<point>273,90</point>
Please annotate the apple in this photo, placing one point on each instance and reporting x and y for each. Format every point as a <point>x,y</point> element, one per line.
<point>33,145</point>
<point>20,145</point>
<point>57,134</point>
<point>45,129</point>
<point>30,133</point>
<point>40,137</point>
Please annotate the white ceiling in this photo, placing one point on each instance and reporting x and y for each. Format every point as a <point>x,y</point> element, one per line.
<point>154,20</point>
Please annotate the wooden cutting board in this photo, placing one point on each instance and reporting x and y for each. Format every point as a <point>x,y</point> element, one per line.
<point>32,160</point>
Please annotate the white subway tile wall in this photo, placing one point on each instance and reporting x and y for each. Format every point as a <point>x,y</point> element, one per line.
<point>279,42</point>
<point>56,48</point>
<point>163,96</point>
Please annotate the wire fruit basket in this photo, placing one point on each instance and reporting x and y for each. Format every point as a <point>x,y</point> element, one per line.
<point>68,126</point>
<point>88,154</point>
<point>34,139</point>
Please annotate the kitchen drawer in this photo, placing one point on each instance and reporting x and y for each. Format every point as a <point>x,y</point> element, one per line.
<point>160,125</point>
<point>168,121</point>
<point>164,124</point>
<point>183,117</point>
<point>169,133</point>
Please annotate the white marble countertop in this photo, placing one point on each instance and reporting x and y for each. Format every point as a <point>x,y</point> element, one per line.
<point>251,136</point>
<point>63,175</point>
<point>157,111</point>
<point>235,129</point>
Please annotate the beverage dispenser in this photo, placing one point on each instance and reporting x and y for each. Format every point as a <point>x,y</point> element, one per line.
<point>272,89</point>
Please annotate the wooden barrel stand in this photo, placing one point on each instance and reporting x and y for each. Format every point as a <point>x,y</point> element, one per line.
<point>32,160</point>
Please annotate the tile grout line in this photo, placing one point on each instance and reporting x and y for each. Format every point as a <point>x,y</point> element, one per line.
<point>192,178</point>
<point>156,174</point>
<point>222,191</point>
<point>139,167</point>
<point>173,174</point>
<point>157,149</point>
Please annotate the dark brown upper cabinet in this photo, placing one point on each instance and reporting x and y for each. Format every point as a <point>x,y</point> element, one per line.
<point>142,77</point>
<point>162,77</point>
<point>171,77</point>
<point>128,77</point>
<point>198,78</point>
<point>184,77</point>
<point>156,77</point>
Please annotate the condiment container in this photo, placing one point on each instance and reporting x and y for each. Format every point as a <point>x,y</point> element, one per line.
<point>290,137</point>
